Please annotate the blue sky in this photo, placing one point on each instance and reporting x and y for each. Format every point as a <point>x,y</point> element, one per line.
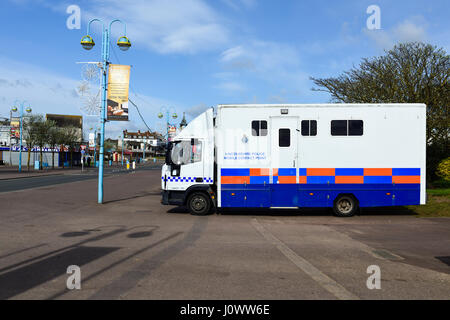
<point>191,54</point>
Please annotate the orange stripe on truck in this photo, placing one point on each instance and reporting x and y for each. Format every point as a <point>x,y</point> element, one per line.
<point>406,179</point>
<point>320,172</point>
<point>349,179</point>
<point>235,180</point>
<point>259,172</point>
<point>378,172</point>
<point>287,179</point>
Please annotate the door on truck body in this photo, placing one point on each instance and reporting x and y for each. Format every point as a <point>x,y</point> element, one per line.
<point>284,161</point>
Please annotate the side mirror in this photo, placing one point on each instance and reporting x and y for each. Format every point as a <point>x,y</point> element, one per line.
<point>168,151</point>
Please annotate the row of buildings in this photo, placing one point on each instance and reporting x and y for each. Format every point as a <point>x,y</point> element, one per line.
<point>133,145</point>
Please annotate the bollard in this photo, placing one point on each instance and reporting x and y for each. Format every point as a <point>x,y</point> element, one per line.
<point>128,166</point>
<point>154,159</point>
<point>134,165</point>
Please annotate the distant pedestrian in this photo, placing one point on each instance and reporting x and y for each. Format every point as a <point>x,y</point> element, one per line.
<point>89,161</point>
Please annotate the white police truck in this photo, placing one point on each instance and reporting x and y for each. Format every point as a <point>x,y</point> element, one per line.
<point>343,156</point>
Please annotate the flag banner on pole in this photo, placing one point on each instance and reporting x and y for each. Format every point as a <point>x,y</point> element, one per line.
<point>172,132</point>
<point>91,140</point>
<point>118,85</point>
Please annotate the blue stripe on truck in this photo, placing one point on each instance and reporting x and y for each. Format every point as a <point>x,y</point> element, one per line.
<point>318,195</point>
<point>406,172</point>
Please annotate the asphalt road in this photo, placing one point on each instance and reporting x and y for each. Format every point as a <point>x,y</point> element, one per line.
<point>7,185</point>
<point>132,247</point>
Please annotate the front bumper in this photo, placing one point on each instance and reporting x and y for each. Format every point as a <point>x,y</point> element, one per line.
<point>173,198</point>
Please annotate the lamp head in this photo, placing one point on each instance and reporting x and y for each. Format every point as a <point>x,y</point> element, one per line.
<point>123,43</point>
<point>87,42</point>
<point>14,109</point>
<point>174,116</point>
<point>28,109</point>
<point>160,115</point>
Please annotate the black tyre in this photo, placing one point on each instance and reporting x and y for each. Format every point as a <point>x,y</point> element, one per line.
<point>199,204</point>
<point>345,206</point>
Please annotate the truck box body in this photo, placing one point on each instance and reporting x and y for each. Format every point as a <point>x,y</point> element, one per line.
<point>289,156</point>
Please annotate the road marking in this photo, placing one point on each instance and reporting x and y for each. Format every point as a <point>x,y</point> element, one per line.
<point>386,255</point>
<point>322,279</point>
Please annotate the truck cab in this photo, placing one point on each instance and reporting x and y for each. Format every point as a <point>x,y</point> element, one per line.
<point>187,177</point>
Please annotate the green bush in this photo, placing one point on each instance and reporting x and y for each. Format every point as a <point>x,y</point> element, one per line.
<point>443,170</point>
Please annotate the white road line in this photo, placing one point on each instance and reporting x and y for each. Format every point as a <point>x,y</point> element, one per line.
<point>322,279</point>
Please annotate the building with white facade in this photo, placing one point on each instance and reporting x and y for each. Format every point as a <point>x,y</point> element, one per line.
<point>136,142</point>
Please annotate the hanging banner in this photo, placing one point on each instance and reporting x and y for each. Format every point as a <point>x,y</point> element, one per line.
<point>118,84</point>
<point>91,140</point>
<point>172,132</point>
<point>15,128</point>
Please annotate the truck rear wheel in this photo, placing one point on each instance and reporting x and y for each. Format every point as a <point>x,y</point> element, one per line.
<point>199,204</point>
<point>345,206</point>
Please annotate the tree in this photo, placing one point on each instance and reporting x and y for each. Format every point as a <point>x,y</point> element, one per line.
<point>43,128</point>
<point>109,147</point>
<point>443,170</point>
<point>29,134</point>
<point>61,142</point>
<point>71,139</point>
<point>55,137</point>
<point>409,73</point>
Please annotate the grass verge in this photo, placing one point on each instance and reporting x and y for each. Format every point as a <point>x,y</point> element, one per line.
<point>438,204</point>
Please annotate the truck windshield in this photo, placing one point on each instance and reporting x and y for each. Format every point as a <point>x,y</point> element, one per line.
<point>185,152</point>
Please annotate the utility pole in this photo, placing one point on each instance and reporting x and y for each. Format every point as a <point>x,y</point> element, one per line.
<point>88,43</point>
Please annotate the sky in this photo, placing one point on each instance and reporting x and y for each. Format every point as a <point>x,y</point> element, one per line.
<point>188,55</point>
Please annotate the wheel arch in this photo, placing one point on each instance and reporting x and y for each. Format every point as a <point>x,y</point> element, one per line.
<point>205,188</point>
<point>348,194</point>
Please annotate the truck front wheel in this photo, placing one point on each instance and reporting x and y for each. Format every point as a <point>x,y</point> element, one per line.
<point>199,204</point>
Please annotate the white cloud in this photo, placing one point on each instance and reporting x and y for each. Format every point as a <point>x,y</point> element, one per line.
<point>261,57</point>
<point>230,87</point>
<point>165,26</point>
<point>381,38</point>
<point>276,63</point>
<point>232,54</point>
<point>47,92</point>
<point>409,30</point>
<point>275,67</point>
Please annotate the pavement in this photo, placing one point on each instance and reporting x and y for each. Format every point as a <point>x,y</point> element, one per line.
<point>132,247</point>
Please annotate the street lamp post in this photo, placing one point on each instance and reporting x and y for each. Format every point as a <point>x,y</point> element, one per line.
<point>95,146</point>
<point>122,148</point>
<point>88,43</point>
<point>167,111</point>
<point>13,109</point>
<point>28,110</point>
